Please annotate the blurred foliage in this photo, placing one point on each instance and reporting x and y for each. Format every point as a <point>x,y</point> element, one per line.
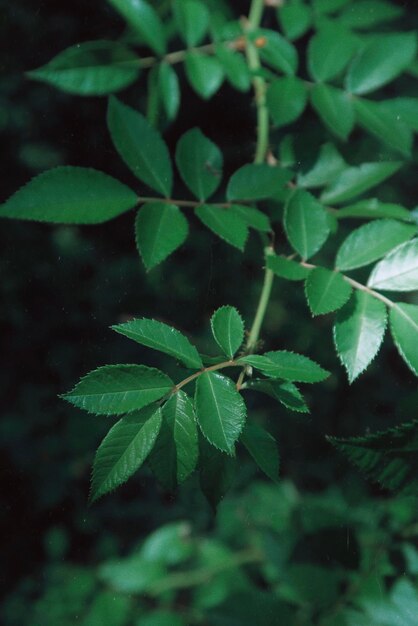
<point>295,554</point>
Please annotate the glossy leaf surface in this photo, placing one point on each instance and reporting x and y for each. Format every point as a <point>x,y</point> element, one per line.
<point>160,229</point>
<point>140,146</point>
<point>358,332</point>
<point>118,389</point>
<point>371,241</point>
<point>220,410</point>
<point>398,271</point>
<point>124,449</point>
<point>326,291</point>
<point>161,337</point>
<point>306,223</point>
<point>200,163</point>
<point>228,329</point>
<point>70,195</point>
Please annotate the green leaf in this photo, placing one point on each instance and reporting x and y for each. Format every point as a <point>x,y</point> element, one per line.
<point>328,165</point>
<point>388,457</point>
<point>373,208</point>
<point>306,223</point>
<point>124,449</point>
<point>192,19</point>
<point>286,365</point>
<point>329,52</point>
<point>403,109</point>
<point>140,146</point>
<point>398,271</point>
<point>175,453</point>
<point>217,472</point>
<point>204,73</point>
<point>356,180</point>
<point>384,125</point>
<point>286,268</point>
<point>220,410</point>
<point>404,327</point>
<point>263,448</point>
<point>160,229</point>
<point>256,182</point>
<point>251,217</point>
<point>93,68</point>
<point>224,223</point>
<point>326,291</point>
<point>143,18</point>
<point>285,392</point>
<point>329,6</point>
<point>228,329</point>
<point>335,109</point>
<point>118,389</point>
<point>358,332</point>
<point>373,67</point>
<point>295,19</point>
<point>365,14</point>
<point>275,50</point>
<point>372,241</point>
<point>169,89</point>
<point>70,195</point>
<point>163,338</point>
<point>286,100</point>
<point>200,163</point>
<point>235,68</point>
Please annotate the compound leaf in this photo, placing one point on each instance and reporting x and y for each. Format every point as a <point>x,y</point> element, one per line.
<point>286,100</point>
<point>329,52</point>
<point>398,271</point>
<point>192,18</point>
<point>263,449</point>
<point>220,410</point>
<point>217,472</point>
<point>371,241</point>
<point>253,218</point>
<point>356,180</point>
<point>93,68</point>
<point>174,456</point>
<point>161,337</point>
<point>70,195</point>
<point>388,457</point>
<point>228,329</point>
<point>404,327</point>
<point>358,332</point>
<point>256,182</point>
<point>144,20</point>
<point>306,223</point>
<point>224,223</point>
<point>160,229</point>
<point>335,109</point>
<point>385,125</point>
<point>235,68</point>
<point>200,163</point>
<point>140,146</point>
<point>326,291</point>
<point>124,449</point>
<point>286,365</point>
<point>276,51</point>
<point>118,389</point>
<point>286,268</point>
<point>205,73</point>
<point>169,86</point>
<point>373,67</point>
<point>328,165</point>
<point>285,392</point>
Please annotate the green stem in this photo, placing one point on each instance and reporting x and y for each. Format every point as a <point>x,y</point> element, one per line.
<point>260,87</point>
<point>262,305</point>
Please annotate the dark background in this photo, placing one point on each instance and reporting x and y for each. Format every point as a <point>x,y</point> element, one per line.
<point>62,287</point>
